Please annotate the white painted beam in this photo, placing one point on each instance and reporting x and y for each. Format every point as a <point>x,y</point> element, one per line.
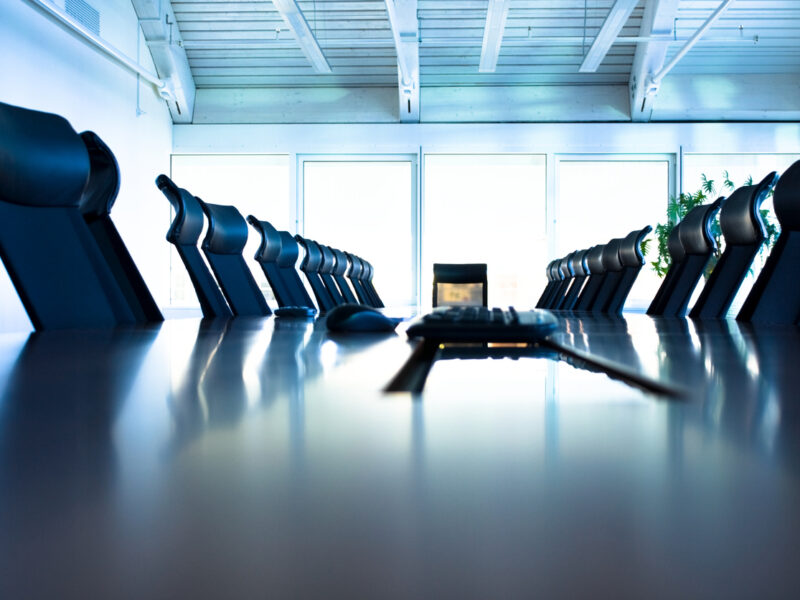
<point>294,19</point>
<point>163,38</point>
<point>658,19</point>
<point>615,21</point>
<point>405,31</point>
<point>496,14</point>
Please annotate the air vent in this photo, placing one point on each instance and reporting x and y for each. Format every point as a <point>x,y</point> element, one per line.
<point>85,14</point>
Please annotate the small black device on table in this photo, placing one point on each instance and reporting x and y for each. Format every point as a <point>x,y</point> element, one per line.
<point>481,324</point>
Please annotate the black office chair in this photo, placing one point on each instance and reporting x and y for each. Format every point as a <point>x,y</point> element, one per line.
<point>369,273</point>
<point>223,245</point>
<point>326,269</point>
<point>340,269</point>
<point>594,263</point>
<point>567,276</point>
<point>580,270</point>
<point>696,246</point>
<point>183,233</point>
<point>51,257</point>
<point>612,265</point>
<point>98,199</point>
<point>310,266</point>
<point>277,256</point>
<point>548,289</point>
<point>355,275</point>
<point>267,256</point>
<point>632,259</point>
<point>744,232</point>
<point>287,267</point>
<point>775,297</point>
<point>460,274</point>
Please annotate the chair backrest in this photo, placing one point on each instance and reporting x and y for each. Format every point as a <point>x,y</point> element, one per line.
<point>632,259</point>
<point>472,277</point>
<point>775,297</point>
<point>223,245</point>
<point>277,256</point>
<point>267,256</point>
<point>370,273</point>
<point>565,270</point>
<point>744,232</point>
<point>580,270</point>
<point>183,233</point>
<point>49,253</point>
<point>697,244</point>
<point>356,276</point>
<point>548,288</point>
<point>287,266</point>
<point>340,268</point>
<point>310,265</point>
<point>326,269</point>
<point>612,265</point>
<point>594,263</point>
<point>98,199</point>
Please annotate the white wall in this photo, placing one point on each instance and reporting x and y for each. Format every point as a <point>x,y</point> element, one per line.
<point>46,68</point>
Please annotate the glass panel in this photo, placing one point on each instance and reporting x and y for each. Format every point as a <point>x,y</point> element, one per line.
<point>487,209</point>
<point>736,169</point>
<point>254,184</point>
<point>603,199</point>
<point>365,207</point>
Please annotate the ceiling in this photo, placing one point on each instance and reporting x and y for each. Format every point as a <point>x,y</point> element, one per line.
<point>247,45</point>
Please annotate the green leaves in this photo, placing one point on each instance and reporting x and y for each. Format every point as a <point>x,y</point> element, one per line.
<point>677,208</point>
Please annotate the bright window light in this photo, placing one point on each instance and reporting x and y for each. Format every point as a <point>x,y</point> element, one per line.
<point>598,200</point>
<point>254,184</point>
<point>366,207</point>
<point>487,209</point>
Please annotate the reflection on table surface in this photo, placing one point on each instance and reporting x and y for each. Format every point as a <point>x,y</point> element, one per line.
<point>258,457</point>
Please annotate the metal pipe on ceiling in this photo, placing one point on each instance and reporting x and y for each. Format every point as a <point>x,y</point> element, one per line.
<point>110,51</point>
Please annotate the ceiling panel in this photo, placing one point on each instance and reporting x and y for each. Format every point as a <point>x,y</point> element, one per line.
<point>247,44</point>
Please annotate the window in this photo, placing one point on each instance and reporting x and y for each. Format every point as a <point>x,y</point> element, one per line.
<point>254,184</point>
<point>367,207</point>
<point>487,209</point>
<point>600,198</point>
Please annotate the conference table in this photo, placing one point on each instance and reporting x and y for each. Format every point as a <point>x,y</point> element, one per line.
<point>263,458</point>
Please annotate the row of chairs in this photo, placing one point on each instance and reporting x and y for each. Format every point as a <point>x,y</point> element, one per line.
<point>774,298</point>
<point>335,277</point>
<point>71,269</point>
<point>597,279</point>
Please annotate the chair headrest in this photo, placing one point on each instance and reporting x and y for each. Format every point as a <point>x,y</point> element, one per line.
<point>313,258</point>
<point>740,219</point>
<point>227,229</point>
<point>290,250</point>
<point>674,246</point>
<point>341,262</point>
<point>786,198</point>
<point>355,266</point>
<point>563,266</point>
<point>328,259</point>
<point>270,246</point>
<point>695,229</point>
<point>611,260</point>
<point>578,263</point>
<point>594,259</point>
<point>102,188</point>
<point>43,161</point>
<point>189,220</point>
<point>630,250</point>
<point>455,273</point>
